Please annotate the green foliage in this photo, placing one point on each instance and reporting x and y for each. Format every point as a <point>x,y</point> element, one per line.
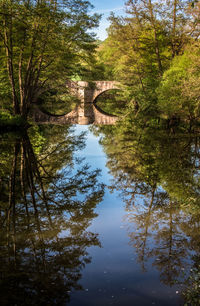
<point>192,292</point>
<point>42,43</point>
<point>37,138</point>
<point>178,93</point>
<point>145,52</point>
<point>10,122</point>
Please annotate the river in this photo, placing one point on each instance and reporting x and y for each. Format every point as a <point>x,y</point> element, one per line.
<point>96,216</point>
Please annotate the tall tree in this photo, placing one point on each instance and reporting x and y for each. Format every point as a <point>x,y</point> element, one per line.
<point>140,47</point>
<point>42,40</point>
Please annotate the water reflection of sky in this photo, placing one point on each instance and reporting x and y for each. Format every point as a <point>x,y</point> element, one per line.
<point>93,152</point>
<point>114,277</point>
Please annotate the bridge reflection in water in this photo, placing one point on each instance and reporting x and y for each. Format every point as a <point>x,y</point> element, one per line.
<point>85,113</point>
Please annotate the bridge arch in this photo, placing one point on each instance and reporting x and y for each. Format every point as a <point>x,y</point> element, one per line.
<point>100,87</point>
<point>87,92</point>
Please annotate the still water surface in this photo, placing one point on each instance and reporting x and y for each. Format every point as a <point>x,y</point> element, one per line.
<point>90,218</point>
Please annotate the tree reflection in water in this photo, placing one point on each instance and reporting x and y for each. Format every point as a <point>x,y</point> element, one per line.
<point>46,207</point>
<point>158,177</point>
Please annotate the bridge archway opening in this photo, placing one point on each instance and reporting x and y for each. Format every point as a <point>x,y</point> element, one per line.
<point>56,104</point>
<point>45,112</point>
<point>110,92</point>
<point>101,112</point>
<point>110,101</point>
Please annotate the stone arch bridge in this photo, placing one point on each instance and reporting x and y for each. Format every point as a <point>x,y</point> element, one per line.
<point>87,92</point>
<point>85,113</point>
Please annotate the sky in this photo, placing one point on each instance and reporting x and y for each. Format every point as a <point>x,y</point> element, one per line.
<point>105,7</point>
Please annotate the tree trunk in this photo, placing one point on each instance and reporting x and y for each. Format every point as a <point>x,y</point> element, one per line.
<point>9,55</point>
<point>174,29</point>
<point>157,49</point>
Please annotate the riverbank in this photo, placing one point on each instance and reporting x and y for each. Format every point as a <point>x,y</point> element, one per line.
<point>12,123</point>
